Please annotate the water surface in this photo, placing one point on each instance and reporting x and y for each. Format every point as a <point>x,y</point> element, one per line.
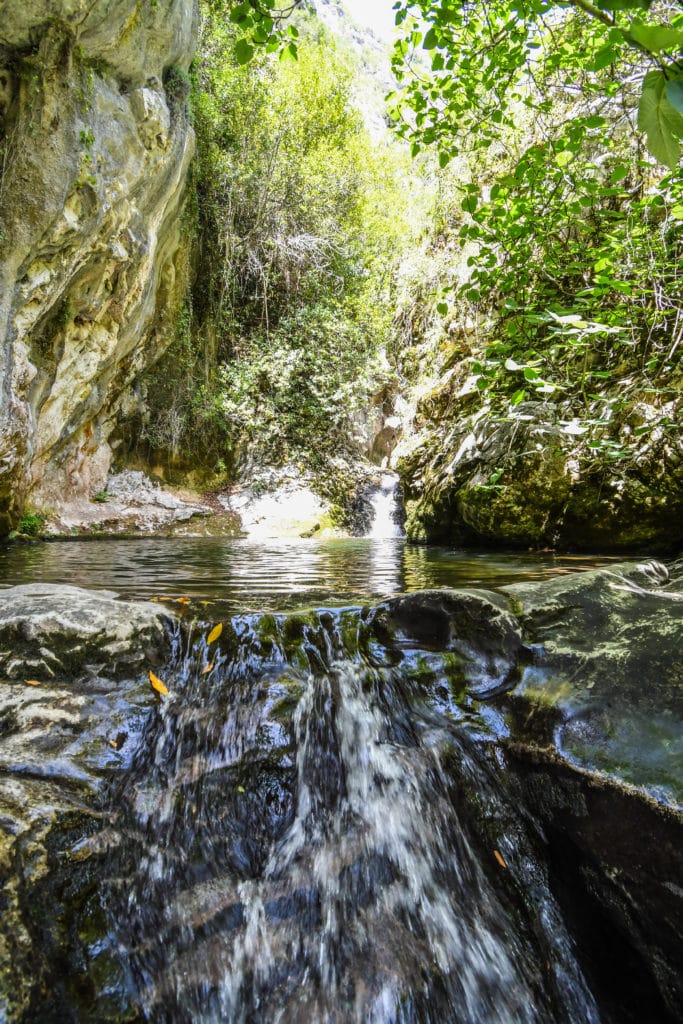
<point>272,575</point>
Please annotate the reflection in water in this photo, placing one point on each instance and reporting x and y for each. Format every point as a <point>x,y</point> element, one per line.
<point>271,574</point>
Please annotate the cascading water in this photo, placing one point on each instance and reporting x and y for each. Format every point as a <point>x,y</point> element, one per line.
<point>298,849</point>
<point>386,509</point>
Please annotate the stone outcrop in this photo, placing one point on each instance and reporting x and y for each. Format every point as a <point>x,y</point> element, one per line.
<point>548,715</point>
<point>533,476</point>
<point>95,145</point>
<point>68,724</point>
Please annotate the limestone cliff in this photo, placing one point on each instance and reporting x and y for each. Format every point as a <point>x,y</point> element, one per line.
<point>94,149</point>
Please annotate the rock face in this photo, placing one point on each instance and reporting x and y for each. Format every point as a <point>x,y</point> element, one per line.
<point>529,735</point>
<point>95,148</point>
<point>61,744</point>
<point>529,477</point>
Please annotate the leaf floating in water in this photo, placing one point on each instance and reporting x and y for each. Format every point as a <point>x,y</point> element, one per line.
<point>157,685</point>
<point>241,789</point>
<point>33,682</point>
<point>208,668</point>
<point>182,600</point>
<point>499,859</point>
<point>121,738</point>
<point>215,633</point>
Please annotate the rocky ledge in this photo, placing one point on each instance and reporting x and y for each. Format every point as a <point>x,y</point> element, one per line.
<point>567,692</point>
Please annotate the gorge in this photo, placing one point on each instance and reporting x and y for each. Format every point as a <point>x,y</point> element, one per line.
<point>273,747</point>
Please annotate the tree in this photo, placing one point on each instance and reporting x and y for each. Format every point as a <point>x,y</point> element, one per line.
<point>487,59</point>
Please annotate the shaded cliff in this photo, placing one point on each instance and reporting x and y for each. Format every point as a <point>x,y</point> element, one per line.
<point>94,145</point>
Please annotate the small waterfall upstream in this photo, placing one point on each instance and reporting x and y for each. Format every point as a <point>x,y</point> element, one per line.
<point>386,508</point>
<point>301,845</point>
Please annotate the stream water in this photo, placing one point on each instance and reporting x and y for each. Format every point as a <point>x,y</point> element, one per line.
<point>271,575</point>
<point>295,853</point>
<point>304,838</point>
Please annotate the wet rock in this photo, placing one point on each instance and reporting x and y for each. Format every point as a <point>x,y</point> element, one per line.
<point>475,627</point>
<point>605,684</point>
<point>62,741</point>
<point>592,735</point>
<point>51,632</point>
<point>512,726</point>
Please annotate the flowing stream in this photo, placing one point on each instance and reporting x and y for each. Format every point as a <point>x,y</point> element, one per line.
<point>298,848</point>
<point>308,833</point>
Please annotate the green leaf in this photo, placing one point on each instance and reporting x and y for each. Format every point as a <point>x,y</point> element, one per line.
<point>674,94</point>
<point>624,5</point>
<point>244,51</point>
<point>655,37</point>
<point>619,173</point>
<point>658,119</point>
<point>444,158</point>
<point>602,58</point>
<point>289,52</point>
<point>430,41</point>
<point>240,13</point>
<point>442,308</point>
<point>518,397</point>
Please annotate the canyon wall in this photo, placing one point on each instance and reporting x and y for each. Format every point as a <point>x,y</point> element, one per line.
<point>95,143</point>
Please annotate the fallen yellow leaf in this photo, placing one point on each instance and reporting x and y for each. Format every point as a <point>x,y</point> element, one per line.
<point>215,633</point>
<point>499,859</point>
<point>33,682</point>
<point>208,668</point>
<point>157,685</point>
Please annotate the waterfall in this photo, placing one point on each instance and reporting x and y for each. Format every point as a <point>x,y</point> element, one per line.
<point>297,851</point>
<point>386,509</point>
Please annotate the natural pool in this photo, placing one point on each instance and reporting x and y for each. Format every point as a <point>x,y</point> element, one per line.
<point>273,575</point>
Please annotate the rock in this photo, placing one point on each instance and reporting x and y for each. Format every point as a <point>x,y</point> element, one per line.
<point>605,686</point>
<point>131,503</point>
<point>475,628</point>
<point>528,478</point>
<point>50,632</point>
<point>592,738</point>
<point>89,220</point>
<point>62,744</point>
<point>546,715</point>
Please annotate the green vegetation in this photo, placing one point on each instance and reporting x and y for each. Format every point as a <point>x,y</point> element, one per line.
<point>31,524</point>
<point>539,314</point>
<point>548,308</point>
<point>298,217</point>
